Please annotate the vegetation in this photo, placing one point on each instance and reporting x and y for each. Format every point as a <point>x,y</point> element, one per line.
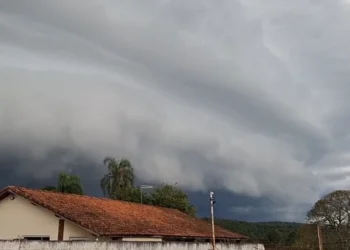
<point>119,179</point>
<point>307,237</point>
<point>332,213</point>
<point>273,233</point>
<point>66,184</point>
<point>69,184</point>
<point>118,183</point>
<point>172,197</point>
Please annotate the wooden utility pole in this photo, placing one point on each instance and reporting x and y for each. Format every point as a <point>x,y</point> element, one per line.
<point>212,202</point>
<point>319,234</point>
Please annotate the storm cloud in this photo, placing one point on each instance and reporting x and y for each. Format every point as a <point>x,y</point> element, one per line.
<point>246,96</point>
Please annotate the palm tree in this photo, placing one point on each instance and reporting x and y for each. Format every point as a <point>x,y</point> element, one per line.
<point>69,184</point>
<point>120,177</point>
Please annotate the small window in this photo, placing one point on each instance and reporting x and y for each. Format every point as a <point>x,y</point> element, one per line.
<point>37,238</point>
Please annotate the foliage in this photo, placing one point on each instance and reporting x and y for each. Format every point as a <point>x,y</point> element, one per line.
<point>172,197</point>
<point>119,179</point>
<point>333,211</point>
<point>134,195</point>
<point>118,183</point>
<point>266,232</point>
<point>66,184</point>
<point>69,184</point>
<point>307,237</point>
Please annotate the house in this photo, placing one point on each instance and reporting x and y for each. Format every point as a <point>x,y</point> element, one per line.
<point>43,215</point>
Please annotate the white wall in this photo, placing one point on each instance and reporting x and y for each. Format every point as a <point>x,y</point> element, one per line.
<point>19,217</point>
<point>72,230</point>
<point>7,245</point>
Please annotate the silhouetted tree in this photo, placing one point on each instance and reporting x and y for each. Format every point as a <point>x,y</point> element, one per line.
<point>69,184</point>
<point>120,177</point>
<point>172,197</point>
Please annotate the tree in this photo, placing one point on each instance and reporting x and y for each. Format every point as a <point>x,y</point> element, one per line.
<point>274,237</point>
<point>120,177</point>
<point>134,195</point>
<point>333,211</point>
<point>172,197</point>
<point>306,237</point>
<point>69,184</point>
<point>49,188</point>
<point>290,238</point>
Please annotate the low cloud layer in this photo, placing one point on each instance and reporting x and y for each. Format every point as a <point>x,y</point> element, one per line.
<point>248,96</point>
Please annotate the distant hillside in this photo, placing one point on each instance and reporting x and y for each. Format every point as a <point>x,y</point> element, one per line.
<point>267,232</point>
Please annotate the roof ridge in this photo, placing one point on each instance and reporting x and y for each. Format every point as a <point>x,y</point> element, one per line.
<point>12,188</point>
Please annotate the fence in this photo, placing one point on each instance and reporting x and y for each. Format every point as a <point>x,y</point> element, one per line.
<point>29,245</point>
<point>311,246</point>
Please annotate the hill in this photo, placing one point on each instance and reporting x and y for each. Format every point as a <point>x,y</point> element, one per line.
<point>266,232</point>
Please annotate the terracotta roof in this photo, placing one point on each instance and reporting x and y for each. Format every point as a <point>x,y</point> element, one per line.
<point>107,217</point>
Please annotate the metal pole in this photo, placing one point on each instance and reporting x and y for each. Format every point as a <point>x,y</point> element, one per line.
<point>110,188</point>
<point>320,244</point>
<point>212,218</point>
<point>141,195</point>
<point>144,187</point>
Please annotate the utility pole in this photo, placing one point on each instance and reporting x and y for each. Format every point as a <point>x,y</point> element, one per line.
<point>144,187</point>
<point>110,186</point>
<point>319,235</point>
<point>212,202</point>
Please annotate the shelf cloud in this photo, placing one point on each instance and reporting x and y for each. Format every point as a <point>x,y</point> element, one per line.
<point>243,95</point>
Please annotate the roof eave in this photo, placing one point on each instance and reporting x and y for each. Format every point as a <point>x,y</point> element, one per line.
<point>172,236</point>
<point>7,191</point>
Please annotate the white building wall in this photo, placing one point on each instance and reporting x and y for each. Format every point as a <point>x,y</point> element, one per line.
<point>73,231</point>
<point>123,246</point>
<point>20,218</point>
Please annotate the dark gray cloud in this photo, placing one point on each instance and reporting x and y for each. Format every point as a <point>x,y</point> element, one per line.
<point>244,95</point>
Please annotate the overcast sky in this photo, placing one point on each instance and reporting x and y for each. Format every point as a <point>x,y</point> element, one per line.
<point>250,97</point>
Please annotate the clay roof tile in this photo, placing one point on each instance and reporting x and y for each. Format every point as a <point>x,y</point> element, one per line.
<point>108,217</point>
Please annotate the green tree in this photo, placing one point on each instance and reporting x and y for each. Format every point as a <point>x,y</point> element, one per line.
<point>172,197</point>
<point>119,179</point>
<point>306,237</point>
<point>333,212</point>
<point>134,195</point>
<point>69,184</point>
<point>274,237</point>
<point>262,231</point>
<point>291,237</point>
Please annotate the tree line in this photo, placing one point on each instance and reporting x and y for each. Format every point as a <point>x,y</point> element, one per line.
<point>270,233</point>
<point>331,214</point>
<point>118,184</point>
